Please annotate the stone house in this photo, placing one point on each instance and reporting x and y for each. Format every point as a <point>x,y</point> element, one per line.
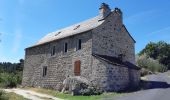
<point>99,49</point>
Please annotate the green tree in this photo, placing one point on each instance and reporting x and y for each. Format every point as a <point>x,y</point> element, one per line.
<point>158,51</point>
<point>20,65</point>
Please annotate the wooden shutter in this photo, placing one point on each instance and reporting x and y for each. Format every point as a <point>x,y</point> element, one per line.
<point>77,66</point>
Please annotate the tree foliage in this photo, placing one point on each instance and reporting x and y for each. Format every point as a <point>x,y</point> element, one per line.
<point>150,64</point>
<point>158,51</point>
<point>12,67</point>
<point>11,73</point>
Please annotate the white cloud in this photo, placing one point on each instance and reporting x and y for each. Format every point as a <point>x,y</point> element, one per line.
<point>17,40</point>
<point>141,16</point>
<point>161,31</point>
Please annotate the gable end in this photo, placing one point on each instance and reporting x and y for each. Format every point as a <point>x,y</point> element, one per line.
<point>129,33</point>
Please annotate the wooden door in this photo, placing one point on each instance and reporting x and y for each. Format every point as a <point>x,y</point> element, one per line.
<point>77,66</point>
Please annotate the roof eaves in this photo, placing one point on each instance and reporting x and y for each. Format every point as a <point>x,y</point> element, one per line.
<point>117,62</point>
<point>55,40</point>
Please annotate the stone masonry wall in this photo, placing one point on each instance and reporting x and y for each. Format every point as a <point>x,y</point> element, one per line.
<point>134,77</point>
<point>59,65</point>
<point>112,39</point>
<point>108,76</point>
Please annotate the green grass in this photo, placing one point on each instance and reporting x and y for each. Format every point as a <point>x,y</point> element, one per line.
<point>10,96</point>
<point>70,97</point>
<point>13,96</point>
<point>97,97</point>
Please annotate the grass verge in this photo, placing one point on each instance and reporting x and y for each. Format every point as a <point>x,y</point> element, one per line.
<point>70,97</point>
<point>13,96</point>
<point>10,96</point>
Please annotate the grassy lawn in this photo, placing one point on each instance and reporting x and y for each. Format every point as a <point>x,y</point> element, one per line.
<point>10,96</point>
<point>13,96</point>
<point>70,97</point>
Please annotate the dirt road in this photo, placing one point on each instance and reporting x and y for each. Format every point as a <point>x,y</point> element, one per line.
<point>31,95</point>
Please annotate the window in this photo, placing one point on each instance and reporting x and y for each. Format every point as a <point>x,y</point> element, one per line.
<point>44,71</point>
<point>53,51</point>
<point>77,65</point>
<point>65,47</point>
<point>79,44</point>
<point>120,56</point>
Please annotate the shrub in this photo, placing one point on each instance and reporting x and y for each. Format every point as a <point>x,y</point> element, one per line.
<point>8,80</point>
<point>150,64</point>
<point>3,96</point>
<point>86,90</point>
<point>144,72</point>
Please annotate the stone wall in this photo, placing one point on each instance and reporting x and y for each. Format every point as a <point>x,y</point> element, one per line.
<point>111,38</point>
<point>108,76</point>
<point>134,77</point>
<point>59,65</point>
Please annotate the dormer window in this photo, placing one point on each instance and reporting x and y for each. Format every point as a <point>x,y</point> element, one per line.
<point>65,47</point>
<point>79,44</point>
<point>53,51</point>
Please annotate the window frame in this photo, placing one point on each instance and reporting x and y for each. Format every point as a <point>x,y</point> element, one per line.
<point>65,47</point>
<point>44,71</point>
<point>53,51</point>
<point>79,44</point>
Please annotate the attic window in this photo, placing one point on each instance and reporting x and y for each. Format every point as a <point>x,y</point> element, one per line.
<point>57,33</point>
<point>77,27</point>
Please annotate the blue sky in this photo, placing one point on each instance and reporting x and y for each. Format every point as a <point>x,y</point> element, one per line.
<point>24,22</point>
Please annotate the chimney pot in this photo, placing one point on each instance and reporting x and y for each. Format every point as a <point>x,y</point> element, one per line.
<point>104,11</point>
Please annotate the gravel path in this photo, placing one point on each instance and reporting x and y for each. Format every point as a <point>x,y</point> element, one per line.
<point>31,95</point>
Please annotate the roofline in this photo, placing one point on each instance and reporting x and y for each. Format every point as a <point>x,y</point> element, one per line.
<point>105,59</point>
<point>137,68</point>
<point>129,33</point>
<point>36,45</point>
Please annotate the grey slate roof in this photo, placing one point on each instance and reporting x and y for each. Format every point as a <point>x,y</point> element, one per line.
<point>116,61</point>
<point>71,30</point>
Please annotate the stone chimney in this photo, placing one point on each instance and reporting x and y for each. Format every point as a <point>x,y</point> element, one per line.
<point>104,11</point>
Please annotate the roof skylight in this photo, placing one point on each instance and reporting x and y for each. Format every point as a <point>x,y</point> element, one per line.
<point>77,27</point>
<point>57,33</point>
